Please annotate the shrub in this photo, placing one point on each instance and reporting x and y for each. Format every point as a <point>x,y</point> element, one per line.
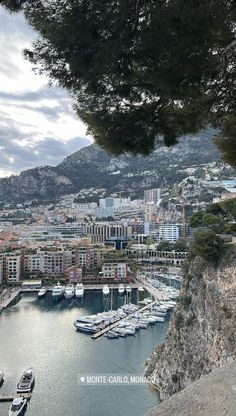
<point>185,300</point>
<point>207,245</point>
<point>179,321</point>
<point>175,378</point>
<point>227,311</point>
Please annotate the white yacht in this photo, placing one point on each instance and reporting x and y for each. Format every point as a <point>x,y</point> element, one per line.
<point>90,328</point>
<point>105,290</point>
<point>121,289</point>
<point>18,407</point>
<point>26,382</point>
<point>57,290</point>
<point>69,292</point>
<point>128,289</point>
<point>79,290</point>
<point>1,377</point>
<point>141,289</point>
<point>42,292</point>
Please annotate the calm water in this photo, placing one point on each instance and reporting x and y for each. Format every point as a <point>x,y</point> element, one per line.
<point>40,333</point>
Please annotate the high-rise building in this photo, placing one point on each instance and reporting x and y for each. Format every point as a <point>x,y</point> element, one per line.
<point>152,196</point>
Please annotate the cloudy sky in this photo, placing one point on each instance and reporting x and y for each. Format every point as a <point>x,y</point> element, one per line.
<point>37,124</point>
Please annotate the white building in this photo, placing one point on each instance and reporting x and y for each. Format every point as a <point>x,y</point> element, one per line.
<point>152,196</point>
<point>115,271</point>
<point>110,206</point>
<point>169,232</point>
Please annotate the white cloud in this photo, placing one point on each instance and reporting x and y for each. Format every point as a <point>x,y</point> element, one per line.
<point>36,121</point>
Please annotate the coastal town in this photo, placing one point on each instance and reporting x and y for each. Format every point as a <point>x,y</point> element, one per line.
<point>100,243</point>
<point>117,208</point>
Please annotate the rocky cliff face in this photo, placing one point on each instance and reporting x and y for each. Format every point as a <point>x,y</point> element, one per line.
<point>202,332</point>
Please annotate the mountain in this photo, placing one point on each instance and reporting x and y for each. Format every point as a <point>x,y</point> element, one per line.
<point>91,167</point>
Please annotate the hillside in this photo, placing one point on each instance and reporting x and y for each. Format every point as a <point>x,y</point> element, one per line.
<point>93,167</point>
<point>201,334</point>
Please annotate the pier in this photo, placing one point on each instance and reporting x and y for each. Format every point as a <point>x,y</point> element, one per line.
<point>157,294</point>
<point>7,298</point>
<point>86,287</point>
<point>6,398</point>
<point>10,398</point>
<point>112,326</point>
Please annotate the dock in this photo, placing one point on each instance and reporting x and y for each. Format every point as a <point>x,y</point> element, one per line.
<point>6,398</point>
<point>112,326</point>
<point>5,302</point>
<point>95,286</point>
<point>9,398</point>
<point>157,294</point>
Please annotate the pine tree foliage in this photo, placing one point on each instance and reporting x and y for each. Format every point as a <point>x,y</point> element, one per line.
<point>140,71</point>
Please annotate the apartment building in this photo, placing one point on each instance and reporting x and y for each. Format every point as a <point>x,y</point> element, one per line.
<point>90,258</point>
<point>73,275</point>
<point>152,196</point>
<point>169,232</point>
<point>32,262</point>
<point>12,267</point>
<point>115,271</point>
<point>106,231</point>
<point>52,263</point>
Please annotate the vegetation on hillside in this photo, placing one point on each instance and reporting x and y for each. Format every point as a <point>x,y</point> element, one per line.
<point>220,217</point>
<point>207,245</point>
<point>215,220</point>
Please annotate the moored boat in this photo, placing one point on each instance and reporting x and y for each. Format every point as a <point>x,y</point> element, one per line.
<point>79,290</point>
<point>121,289</point>
<point>57,291</point>
<point>141,289</point>
<point>111,335</point>
<point>42,292</point>
<point>1,377</point>
<point>105,290</point>
<point>69,292</point>
<point>26,382</point>
<point>128,289</point>
<point>18,407</point>
<point>86,327</point>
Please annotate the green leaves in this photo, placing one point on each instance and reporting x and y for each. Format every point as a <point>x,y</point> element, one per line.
<point>207,245</point>
<point>226,140</point>
<point>140,71</point>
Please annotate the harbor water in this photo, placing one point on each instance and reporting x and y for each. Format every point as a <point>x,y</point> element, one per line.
<point>40,333</point>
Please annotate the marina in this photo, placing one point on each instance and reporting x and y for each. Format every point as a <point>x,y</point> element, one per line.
<point>112,326</point>
<point>10,295</point>
<point>75,354</point>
